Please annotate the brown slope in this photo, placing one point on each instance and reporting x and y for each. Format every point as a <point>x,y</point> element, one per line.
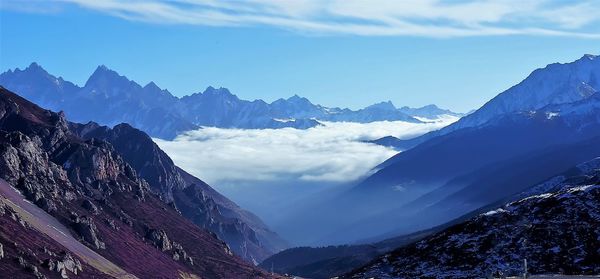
<point>36,221</point>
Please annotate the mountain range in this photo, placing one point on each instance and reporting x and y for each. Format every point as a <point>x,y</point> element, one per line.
<point>109,99</point>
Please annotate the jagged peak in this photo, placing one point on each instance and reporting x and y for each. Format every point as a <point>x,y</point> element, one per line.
<point>296,99</point>
<point>589,56</point>
<point>103,69</point>
<point>34,67</point>
<point>430,106</point>
<point>151,85</point>
<point>388,105</point>
<point>102,73</point>
<point>220,90</point>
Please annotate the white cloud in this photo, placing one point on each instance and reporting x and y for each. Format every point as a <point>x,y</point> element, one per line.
<point>431,18</point>
<point>331,153</point>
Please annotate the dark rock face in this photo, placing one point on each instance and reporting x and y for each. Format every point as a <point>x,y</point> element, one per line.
<point>557,232</point>
<point>245,233</point>
<point>68,177</point>
<point>159,239</point>
<point>87,204</point>
<point>86,228</point>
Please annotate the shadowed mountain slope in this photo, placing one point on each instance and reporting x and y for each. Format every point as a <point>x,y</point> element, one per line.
<point>554,226</point>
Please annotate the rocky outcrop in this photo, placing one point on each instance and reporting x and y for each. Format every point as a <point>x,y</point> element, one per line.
<point>1,251</point>
<point>86,228</point>
<point>160,240</point>
<point>65,265</point>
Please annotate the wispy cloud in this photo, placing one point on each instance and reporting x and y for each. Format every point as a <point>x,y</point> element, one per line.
<point>331,153</point>
<point>429,18</point>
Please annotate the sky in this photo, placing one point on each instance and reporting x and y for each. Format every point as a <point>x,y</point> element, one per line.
<point>351,53</point>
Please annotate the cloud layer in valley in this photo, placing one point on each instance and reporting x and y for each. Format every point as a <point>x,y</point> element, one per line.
<point>330,153</point>
<point>429,18</point>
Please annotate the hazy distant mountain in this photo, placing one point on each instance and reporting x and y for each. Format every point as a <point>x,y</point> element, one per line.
<point>330,261</point>
<point>429,111</point>
<point>109,98</point>
<point>378,112</point>
<point>466,167</point>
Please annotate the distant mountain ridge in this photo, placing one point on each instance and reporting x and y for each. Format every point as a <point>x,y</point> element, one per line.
<point>109,98</point>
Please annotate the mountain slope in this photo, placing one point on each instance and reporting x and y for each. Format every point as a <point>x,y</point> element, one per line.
<point>245,233</point>
<point>555,231</point>
<point>88,187</point>
<point>554,84</point>
<point>33,218</point>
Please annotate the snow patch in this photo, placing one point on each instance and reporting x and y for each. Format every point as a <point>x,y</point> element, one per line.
<point>494,212</point>
<point>551,115</point>
<point>284,120</point>
<point>581,188</point>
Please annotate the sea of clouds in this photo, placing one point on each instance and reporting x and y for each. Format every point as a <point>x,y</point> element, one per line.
<point>276,173</point>
<point>334,152</point>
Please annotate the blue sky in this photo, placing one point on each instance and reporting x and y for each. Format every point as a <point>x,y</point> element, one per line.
<point>455,54</point>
